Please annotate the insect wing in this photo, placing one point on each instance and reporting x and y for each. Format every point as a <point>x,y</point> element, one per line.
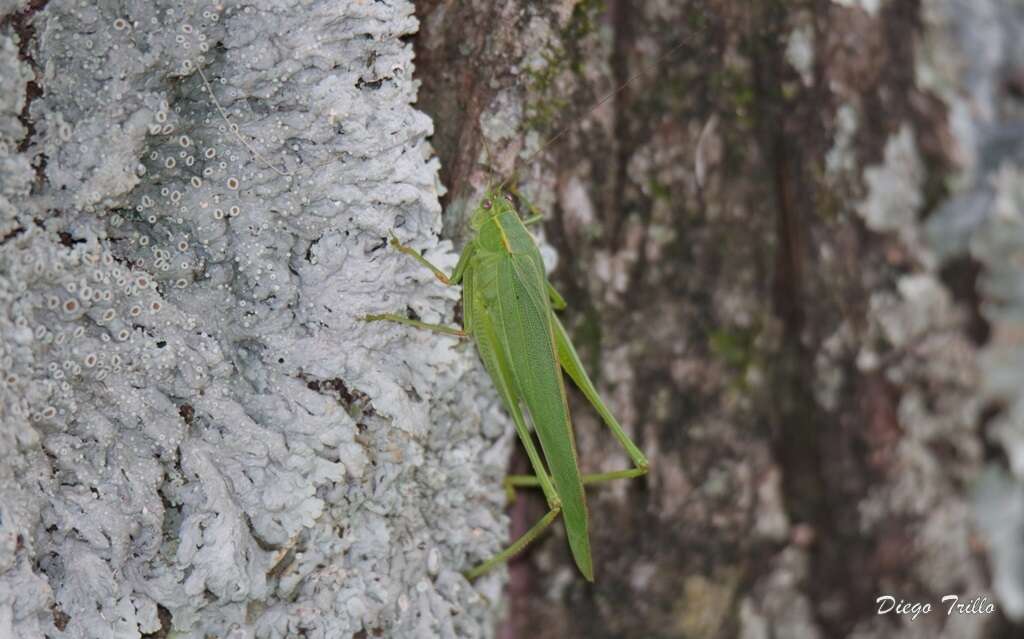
<point>522,322</point>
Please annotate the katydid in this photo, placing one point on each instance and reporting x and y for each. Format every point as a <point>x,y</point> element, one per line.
<point>508,310</point>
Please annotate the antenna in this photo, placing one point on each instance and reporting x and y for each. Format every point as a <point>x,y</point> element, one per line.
<point>234,127</point>
<point>607,97</point>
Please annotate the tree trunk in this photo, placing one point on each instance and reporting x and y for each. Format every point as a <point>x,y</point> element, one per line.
<point>764,254</point>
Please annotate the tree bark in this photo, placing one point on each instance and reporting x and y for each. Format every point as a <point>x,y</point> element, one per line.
<point>761,242</point>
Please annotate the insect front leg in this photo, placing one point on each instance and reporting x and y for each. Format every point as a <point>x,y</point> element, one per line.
<point>456,277</point>
<point>535,214</point>
<point>557,301</point>
<point>416,255</point>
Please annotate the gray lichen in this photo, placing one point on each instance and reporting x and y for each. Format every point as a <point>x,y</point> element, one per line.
<point>197,429</point>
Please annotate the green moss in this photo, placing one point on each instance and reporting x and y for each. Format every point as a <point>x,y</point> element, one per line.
<point>659,191</point>
<point>735,87</point>
<point>547,105</point>
<point>706,602</point>
<point>697,17</point>
<point>582,23</point>
<point>730,347</point>
<point>736,348</point>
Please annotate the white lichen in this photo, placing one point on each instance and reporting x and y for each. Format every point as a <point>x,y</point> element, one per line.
<point>194,418</point>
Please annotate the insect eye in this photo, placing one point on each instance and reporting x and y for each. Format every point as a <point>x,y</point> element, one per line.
<point>508,196</point>
<point>486,204</point>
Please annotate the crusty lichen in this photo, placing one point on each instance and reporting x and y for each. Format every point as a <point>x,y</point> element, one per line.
<point>181,340</point>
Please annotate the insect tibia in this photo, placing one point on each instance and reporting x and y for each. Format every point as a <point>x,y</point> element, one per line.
<point>413,253</point>
<point>529,481</point>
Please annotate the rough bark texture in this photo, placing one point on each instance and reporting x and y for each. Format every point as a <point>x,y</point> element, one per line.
<point>764,243</point>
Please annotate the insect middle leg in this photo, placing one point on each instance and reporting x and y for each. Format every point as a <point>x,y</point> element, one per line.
<point>531,481</point>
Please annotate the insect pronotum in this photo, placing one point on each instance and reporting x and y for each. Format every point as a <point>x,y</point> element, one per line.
<point>508,308</point>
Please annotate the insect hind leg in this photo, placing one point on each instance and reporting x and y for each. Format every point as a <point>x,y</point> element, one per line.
<point>516,547</point>
<point>572,365</point>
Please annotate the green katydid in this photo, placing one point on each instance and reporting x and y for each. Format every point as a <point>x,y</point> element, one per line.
<point>508,310</point>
